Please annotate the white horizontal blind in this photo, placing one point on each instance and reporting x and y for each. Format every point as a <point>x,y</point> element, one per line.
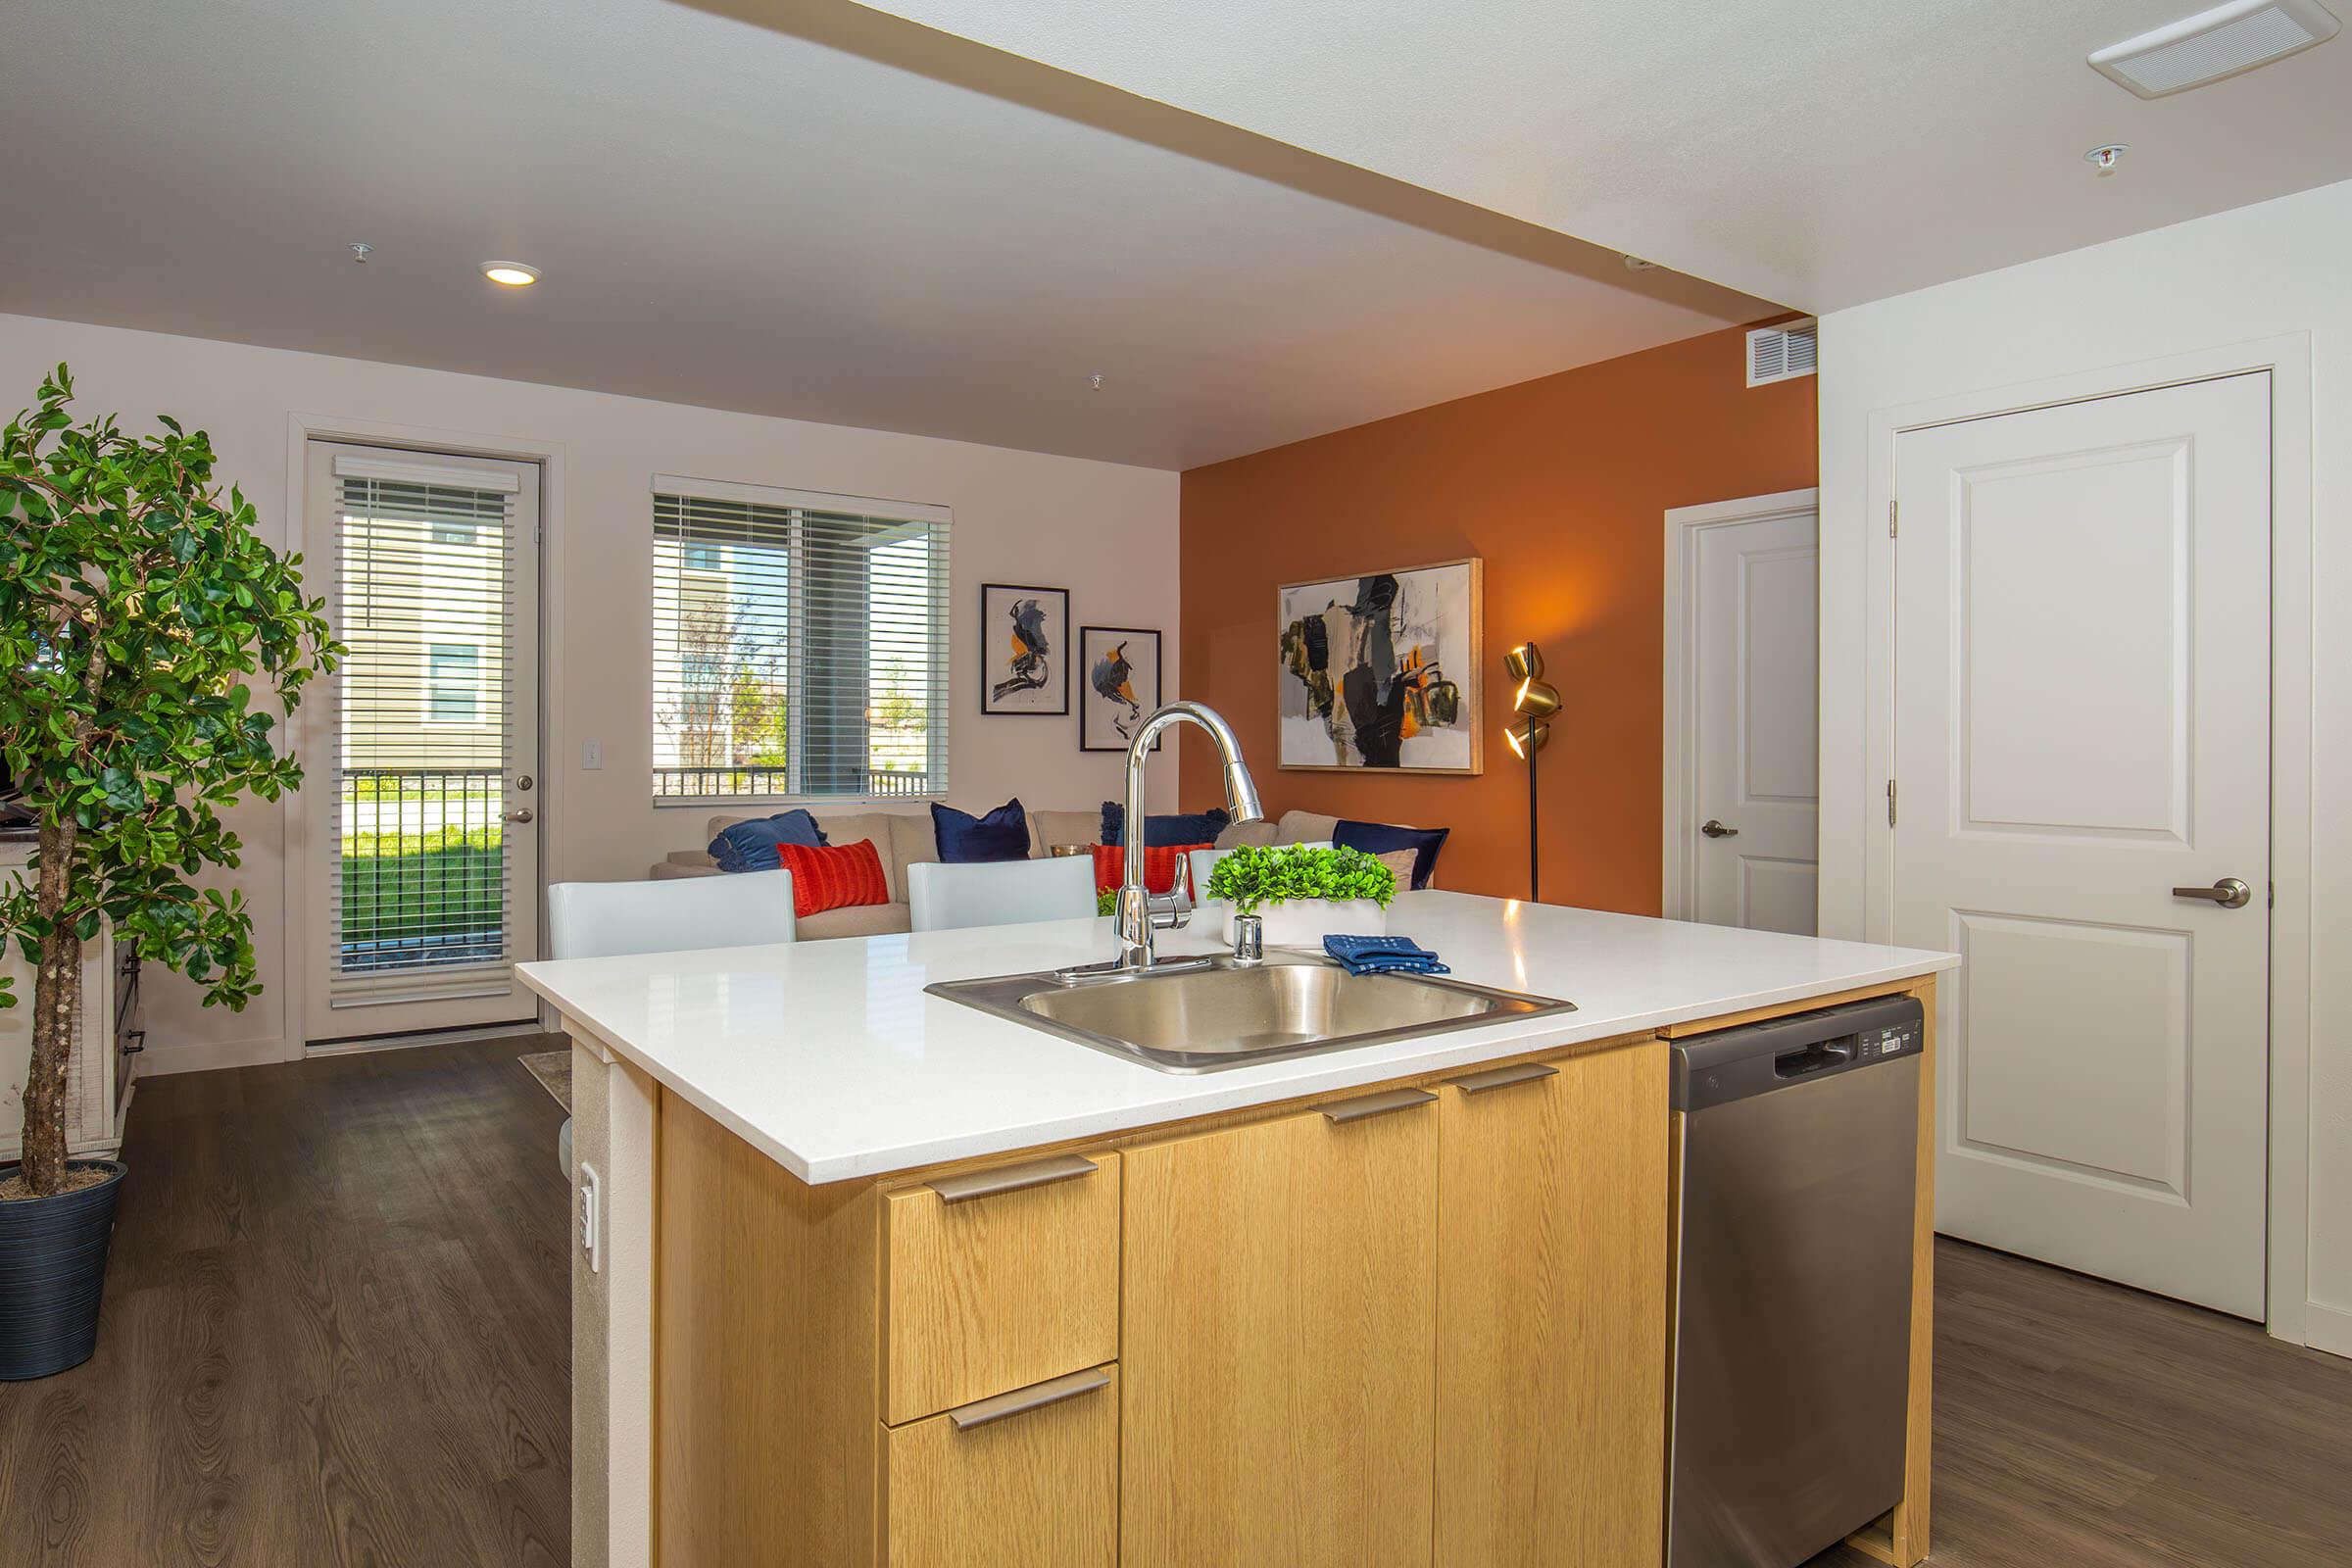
<point>421,878</point>
<point>800,645</point>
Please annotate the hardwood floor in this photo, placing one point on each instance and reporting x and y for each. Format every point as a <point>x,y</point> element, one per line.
<point>336,1330</point>
<point>2083,1424</point>
<point>336,1334</point>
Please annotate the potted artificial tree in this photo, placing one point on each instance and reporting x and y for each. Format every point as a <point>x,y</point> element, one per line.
<point>140,615</point>
<point>1302,893</point>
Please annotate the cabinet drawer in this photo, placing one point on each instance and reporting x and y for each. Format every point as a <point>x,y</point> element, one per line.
<point>1034,1481</point>
<point>998,1280</point>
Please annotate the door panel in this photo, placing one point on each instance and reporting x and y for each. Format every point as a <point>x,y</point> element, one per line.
<point>1755,636</point>
<point>1551,1316</point>
<point>1277,1313</point>
<point>421,792</point>
<point>2082,725</point>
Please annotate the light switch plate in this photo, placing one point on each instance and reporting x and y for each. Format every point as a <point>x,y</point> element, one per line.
<point>592,1217</point>
<point>592,755</point>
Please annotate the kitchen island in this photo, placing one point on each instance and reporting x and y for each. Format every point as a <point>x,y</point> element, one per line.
<point>882,1278</point>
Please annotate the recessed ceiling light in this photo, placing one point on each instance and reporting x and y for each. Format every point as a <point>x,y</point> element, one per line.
<point>2104,159</point>
<point>1640,263</point>
<point>510,275</point>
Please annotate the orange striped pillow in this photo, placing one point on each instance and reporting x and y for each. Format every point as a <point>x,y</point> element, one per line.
<point>833,877</point>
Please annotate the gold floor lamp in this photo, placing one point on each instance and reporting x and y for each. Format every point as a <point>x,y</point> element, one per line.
<point>1533,703</point>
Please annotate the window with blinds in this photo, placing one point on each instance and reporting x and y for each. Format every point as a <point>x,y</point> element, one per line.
<point>426,575</point>
<point>800,645</point>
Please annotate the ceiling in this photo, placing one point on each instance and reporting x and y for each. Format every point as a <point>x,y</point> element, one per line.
<point>845,219</point>
<point>1819,152</point>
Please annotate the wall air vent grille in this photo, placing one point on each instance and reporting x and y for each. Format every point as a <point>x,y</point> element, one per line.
<point>2213,44</point>
<point>1781,353</point>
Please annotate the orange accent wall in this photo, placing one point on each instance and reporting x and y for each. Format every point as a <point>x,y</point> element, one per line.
<point>1562,485</point>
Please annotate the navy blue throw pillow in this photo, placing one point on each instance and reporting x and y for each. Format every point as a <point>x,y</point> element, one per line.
<point>751,845</point>
<point>1000,835</point>
<point>1163,832</point>
<point>1375,838</point>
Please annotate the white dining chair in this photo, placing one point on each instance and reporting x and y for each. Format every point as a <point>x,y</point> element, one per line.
<point>948,898</point>
<point>607,919</point>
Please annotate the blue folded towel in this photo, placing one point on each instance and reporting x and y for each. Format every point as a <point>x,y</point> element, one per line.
<point>1383,956</point>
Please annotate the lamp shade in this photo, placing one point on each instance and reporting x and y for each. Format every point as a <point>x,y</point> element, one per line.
<point>1536,699</point>
<point>1524,663</point>
<point>1527,739</point>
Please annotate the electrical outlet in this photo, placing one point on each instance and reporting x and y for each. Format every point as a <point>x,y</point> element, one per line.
<point>592,1217</point>
<point>592,755</point>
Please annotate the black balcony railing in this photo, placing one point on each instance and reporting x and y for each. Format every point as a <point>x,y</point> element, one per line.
<point>706,783</point>
<point>424,868</point>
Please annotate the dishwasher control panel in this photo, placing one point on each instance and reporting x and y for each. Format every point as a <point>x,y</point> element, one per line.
<point>1804,1048</point>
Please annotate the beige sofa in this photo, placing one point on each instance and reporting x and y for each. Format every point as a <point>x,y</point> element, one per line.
<point>905,838</point>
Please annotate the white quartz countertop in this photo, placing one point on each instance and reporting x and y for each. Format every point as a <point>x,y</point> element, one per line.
<point>829,1058</point>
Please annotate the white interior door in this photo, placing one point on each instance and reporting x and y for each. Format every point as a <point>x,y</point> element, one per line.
<point>421,793</point>
<point>2081,728</point>
<point>1746,825</point>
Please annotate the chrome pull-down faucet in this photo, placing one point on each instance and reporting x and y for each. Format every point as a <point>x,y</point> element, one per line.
<point>1240,799</point>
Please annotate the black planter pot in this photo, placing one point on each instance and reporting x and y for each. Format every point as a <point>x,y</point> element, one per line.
<point>53,1272</point>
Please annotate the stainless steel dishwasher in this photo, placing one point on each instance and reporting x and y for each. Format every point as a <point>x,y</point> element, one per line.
<point>1798,1141</point>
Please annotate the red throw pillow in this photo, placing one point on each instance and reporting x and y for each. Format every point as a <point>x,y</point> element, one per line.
<point>1159,865</point>
<point>833,877</point>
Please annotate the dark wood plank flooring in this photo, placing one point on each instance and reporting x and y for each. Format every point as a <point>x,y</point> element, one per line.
<point>337,1330</point>
<point>335,1334</point>
<point>2081,1425</point>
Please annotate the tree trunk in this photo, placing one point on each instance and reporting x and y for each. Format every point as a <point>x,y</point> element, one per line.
<point>56,1019</point>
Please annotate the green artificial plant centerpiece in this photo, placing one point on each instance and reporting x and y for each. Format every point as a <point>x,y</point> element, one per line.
<point>1250,878</point>
<point>141,616</point>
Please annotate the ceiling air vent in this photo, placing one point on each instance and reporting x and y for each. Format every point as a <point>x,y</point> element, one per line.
<point>2213,44</point>
<point>1781,353</point>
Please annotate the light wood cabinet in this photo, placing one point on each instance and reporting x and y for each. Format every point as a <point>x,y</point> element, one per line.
<point>1420,1323</point>
<point>1033,1482</point>
<point>1551,1313</point>
<point>1001,1281</point>
<point>1279,1301</point>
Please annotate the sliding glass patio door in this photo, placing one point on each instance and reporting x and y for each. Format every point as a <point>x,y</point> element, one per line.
<point>422,752</point>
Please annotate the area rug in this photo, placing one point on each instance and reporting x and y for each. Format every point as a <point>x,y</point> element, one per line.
<point>553,1069</point>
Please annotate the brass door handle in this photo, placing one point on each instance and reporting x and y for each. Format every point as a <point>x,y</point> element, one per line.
<point>2230,893</point>
<point>1716,830</point>
<point>1036,1397</point>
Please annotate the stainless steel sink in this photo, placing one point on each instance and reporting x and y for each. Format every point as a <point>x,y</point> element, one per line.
<point>1204,1017</point>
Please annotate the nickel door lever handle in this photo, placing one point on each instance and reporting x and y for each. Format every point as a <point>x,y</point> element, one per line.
<point>1716,830</point>
<point>2230,893</point>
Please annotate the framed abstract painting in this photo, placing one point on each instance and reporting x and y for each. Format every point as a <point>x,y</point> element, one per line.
<point>1382,671</point>
<point>1118,685</point>
<point>1024,650</point>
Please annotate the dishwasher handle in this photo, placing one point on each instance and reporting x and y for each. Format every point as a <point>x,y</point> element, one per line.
<point>1819,1057</point>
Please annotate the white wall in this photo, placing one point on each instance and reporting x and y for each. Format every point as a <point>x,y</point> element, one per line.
<point>2275,270</point>
<point>1106,531</point>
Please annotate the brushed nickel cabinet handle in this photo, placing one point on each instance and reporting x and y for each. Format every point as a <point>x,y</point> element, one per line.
<point>1525,1072</point>
<point>1021,1401</point>
<point>1011,1178</point>
<point>1380,1104</point>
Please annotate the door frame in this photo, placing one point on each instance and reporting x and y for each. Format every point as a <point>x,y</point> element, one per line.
<point>2289,1312</point>
<point>1678,875</point>
<point>307,534</point>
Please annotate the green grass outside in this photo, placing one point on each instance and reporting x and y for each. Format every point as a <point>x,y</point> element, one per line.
<point>445,890</point>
